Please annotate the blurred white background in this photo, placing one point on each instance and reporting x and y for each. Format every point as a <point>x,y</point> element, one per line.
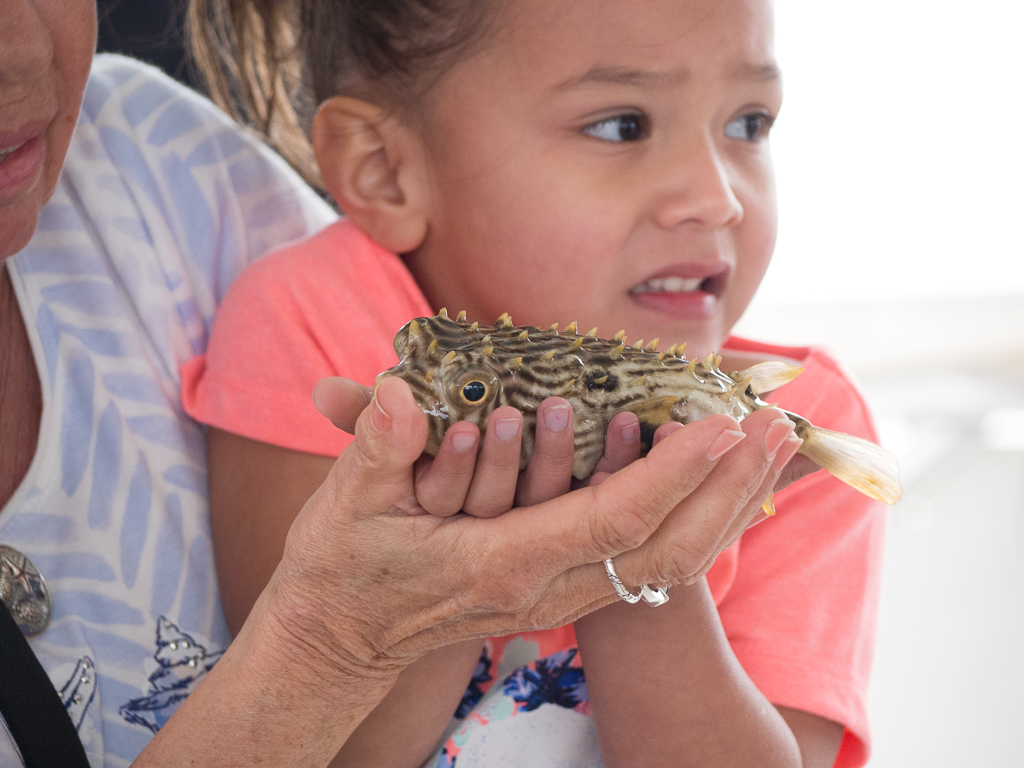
<point>900,167</point>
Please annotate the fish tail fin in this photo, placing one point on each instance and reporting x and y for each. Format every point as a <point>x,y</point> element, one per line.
<point>859,463</point>
<point>764,377</point>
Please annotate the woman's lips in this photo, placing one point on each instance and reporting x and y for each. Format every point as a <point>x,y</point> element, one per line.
<point>19,165</point>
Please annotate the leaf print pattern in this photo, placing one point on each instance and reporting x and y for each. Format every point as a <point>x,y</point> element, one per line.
<point>444,760</point>
<point>510,724</point>
<point>475,691</point>
<point>552,680</point>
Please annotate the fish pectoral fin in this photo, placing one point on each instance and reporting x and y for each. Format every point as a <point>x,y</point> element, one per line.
<point>764,377</point>
<point>654,412</point>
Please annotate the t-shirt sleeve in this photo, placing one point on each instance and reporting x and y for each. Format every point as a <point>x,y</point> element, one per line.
<point>329,306</point>
<point>801,611</point>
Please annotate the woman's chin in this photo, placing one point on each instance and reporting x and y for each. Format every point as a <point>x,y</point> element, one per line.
<point>16,228</point>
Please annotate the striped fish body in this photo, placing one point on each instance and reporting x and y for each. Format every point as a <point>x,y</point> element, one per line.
<point>459,370</point>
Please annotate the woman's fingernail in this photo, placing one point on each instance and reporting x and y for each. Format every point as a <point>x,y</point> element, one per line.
<point>631,434</point>
<point>506,429</point>
<point>788,451</point>
<point>381,419</point>
<point>556,418</point>
<point>777,433</point>
<point>728,439</point>
<point>760,517</point>
<point>463,441</point>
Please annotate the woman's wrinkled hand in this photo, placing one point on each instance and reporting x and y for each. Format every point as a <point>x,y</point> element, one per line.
<point>366,585</point>
<point>721,509</point>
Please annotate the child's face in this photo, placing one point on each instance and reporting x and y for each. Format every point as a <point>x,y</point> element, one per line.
<point>606,162</point>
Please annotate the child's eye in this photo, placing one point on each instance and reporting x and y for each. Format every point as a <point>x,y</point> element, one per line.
<point>625,127</point>
<point>750,127</point>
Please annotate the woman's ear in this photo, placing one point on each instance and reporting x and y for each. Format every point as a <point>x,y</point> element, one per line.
<point>372,166</point>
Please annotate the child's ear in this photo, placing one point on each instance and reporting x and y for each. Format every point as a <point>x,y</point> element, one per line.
<point>372,166</point>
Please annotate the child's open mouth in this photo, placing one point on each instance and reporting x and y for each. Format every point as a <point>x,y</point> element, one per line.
<point>674,285</point>
<point>682,297</point>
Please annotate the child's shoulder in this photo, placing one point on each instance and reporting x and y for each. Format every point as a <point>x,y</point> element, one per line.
<point>335,251</point>
<point>338,266</point>
<point>337,284</point>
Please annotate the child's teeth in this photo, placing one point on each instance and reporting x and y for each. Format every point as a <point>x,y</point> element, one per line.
<point>669,285</point>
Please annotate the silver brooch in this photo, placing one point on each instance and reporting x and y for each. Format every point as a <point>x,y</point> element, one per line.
<point>24,591</point>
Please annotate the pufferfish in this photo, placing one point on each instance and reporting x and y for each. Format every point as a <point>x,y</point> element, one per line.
<point>459,370</point>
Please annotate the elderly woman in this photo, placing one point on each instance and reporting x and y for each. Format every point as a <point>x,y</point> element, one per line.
<point>127,206</point>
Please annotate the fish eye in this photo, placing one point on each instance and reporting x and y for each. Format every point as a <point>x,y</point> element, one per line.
<point>474,391</point>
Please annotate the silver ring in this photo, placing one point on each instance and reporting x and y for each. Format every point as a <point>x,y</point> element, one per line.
<point>652,596</point>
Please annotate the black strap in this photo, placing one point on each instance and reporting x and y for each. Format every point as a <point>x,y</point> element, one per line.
<point>31,706</point>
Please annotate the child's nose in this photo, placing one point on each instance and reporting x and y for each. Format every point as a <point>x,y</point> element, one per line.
<point>698,189</point>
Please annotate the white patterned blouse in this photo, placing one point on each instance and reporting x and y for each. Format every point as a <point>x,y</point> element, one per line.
<point>162,202</point>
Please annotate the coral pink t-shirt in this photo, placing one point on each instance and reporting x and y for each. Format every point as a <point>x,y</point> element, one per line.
<point>797,595</point>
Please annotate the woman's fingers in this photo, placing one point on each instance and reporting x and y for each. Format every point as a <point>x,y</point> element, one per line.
<point>772,444</point>
<point>755,511</point>
<point>703,524</point>
<point>376,472</point>
<point>598,522</point>
<point>549,472</point>
<point>773,433</point>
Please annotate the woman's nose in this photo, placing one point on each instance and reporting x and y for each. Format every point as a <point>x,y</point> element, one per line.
<point>699,190</point>
<point>25,44</point>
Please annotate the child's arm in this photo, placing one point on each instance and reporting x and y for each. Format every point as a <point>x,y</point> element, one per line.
<point>665,687</point>
<point>666,690</point>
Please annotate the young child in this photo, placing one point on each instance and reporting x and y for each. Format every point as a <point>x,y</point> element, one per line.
<point>597,161</point>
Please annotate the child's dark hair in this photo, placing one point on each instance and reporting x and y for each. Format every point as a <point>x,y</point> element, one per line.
<point>269,63</point>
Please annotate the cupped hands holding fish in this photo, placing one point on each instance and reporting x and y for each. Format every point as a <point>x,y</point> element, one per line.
<point>664,518</point>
